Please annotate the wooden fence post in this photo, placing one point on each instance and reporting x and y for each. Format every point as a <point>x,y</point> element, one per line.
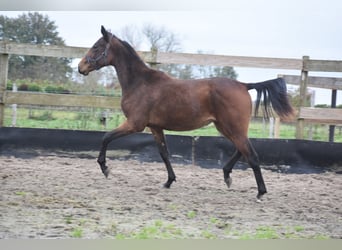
<point>154,58</point>
<point>302,96</point>
<point>277,128</point>
<point>3,84</point>
<point>333,105</point>
<point>14,107</point>
<point>271,129</point>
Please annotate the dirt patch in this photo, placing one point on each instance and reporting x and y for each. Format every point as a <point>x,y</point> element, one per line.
<point>56,196</point>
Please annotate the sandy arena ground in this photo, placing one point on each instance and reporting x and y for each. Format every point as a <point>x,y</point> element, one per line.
<point>64,196</point>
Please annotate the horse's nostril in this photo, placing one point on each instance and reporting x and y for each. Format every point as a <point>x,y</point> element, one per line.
<point>82,72</point>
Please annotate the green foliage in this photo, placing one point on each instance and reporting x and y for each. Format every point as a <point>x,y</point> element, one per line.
<point>208,235</point>
<point>295,98</point>
<point>68,220</point>
<point>262,232</point>
<point>45,116</point>
<point>327,106</point>
<point>77,232</point>
<point>322,106</point>
<point>29,87</point>
<point>23,87</point>
<point>34,88</point>
<point>20,193</point>
<point>56,90</point>
<point>41,86</point>
<point>9,86</point>
<point>34,28</point>
<point>298,228</point>
<point>277,232</point>
<point>191,214</point>
<point>89,119</point>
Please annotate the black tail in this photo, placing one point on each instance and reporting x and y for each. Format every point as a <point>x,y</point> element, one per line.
<point>274,93</point>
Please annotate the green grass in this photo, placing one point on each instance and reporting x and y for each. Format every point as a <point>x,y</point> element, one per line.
<point>262,232</point>
<point>164,230</point>
<point>191,214</point>
<point>89,119</point>
<point>208,235</point>
<point>216,228</point>
<point>277,232</point>
<point>77,232</point>
<point>20,193</point>
<point>157,230</point>
<point>68,219</point>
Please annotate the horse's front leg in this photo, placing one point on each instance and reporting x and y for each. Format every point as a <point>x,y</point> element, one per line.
<point>123,130</point>
<point>161,143</point>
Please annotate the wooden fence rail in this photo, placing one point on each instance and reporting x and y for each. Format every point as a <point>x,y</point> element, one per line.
<point>45,99</point>
<point>305,65</point>
<point>315,81</point>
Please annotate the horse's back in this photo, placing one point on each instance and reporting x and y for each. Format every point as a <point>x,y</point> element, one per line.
<point>230,92</point>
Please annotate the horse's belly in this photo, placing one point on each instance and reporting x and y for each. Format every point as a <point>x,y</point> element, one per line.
<point>181,122</point>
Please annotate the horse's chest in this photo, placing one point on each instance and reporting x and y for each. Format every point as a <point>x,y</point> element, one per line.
<point>133,105</point>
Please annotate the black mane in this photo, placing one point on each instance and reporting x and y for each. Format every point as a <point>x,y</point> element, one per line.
<point>131,51</point>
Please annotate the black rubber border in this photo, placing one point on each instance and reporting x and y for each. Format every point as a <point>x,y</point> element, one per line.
<point>209,152</point>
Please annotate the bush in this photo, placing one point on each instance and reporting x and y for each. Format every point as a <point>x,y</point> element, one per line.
<point>27,87</point>
<point>56,90</point>
<point>34,88</point>
<point>9,86</point>
<point>61,90</point>
<point>322,106</point>
<point>50,89</point>
<point>23,87</point>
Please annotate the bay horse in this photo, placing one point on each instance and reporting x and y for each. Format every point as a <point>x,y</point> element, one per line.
<point>153,99</point>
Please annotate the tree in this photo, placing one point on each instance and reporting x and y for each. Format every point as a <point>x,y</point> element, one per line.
<point>34,28</point>
<point>294,97</point>
<point>132,35</point>
<point>161,39</point>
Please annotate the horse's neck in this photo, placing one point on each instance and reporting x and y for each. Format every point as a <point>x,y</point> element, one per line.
<point>130,71</point>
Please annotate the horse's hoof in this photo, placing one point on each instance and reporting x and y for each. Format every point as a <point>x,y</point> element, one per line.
<point>168,183</point>
<point>106,172</point>
<point>259,197</point>
<point>228,181</point>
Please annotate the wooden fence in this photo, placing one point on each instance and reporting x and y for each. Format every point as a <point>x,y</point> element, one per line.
<point>331,115</point>
<point>304,65</point>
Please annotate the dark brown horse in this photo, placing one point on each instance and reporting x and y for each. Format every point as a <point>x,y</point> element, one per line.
<point>151,98</point>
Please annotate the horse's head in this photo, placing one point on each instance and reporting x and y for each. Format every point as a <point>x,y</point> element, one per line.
<point>98,55</point>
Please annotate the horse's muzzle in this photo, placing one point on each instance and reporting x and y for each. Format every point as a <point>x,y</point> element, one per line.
<point>83,67</point>
<point>82,72</point>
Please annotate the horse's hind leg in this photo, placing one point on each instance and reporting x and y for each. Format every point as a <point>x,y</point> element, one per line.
<point>247,150</point>
<point>227,169</point>
<point>244,148</point>
<point>161,143</point>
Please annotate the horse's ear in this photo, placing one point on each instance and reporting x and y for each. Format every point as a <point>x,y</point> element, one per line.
<point>104,33</point>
